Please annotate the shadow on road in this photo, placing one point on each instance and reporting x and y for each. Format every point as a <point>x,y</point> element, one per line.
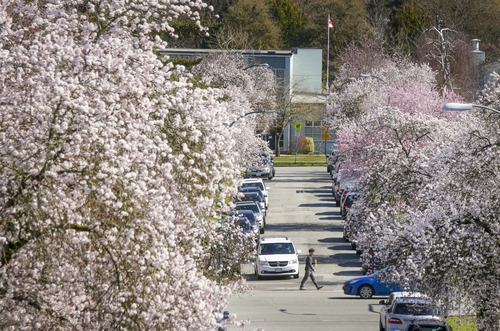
<point>352,273</point>
<point>307,180</point>
<point>288,313</point>
<point>332,240</point>
<point>285,227</point>
<point>318,205</point>
<point>328,213</point>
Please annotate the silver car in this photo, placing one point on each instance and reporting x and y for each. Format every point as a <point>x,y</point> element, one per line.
<point>405,310</point>
<point>255,208</point>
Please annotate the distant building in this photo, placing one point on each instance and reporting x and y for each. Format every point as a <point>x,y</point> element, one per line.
<point>299,73</point>
<point>485,69</point>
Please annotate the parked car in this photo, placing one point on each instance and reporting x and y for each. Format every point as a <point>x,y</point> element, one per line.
<point>428,326</point>
<point>350,198</point>
<point>221,323</point>
<point>262,168</point>
<point>252,196</point>
<point>257,211</point>
<point>371,262</point>
<point>400,294</point>
<point>249,226</point>
<point>276,256</point>
<point>259,183</point>
<point>352,226</point>
<point>330,161</point>
<point>406,310</point>
<point>254,189</point>
<point>340,185</point>
<point>370,285</point>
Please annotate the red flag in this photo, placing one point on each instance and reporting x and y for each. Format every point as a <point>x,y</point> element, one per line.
<point>330,23</point>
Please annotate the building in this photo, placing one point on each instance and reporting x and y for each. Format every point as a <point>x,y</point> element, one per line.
<point>298,72</point>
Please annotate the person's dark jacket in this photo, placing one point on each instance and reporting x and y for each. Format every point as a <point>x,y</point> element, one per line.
<point>309,263</point>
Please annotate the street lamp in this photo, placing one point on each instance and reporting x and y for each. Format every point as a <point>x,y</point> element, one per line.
<point>466,106</point>
<point>226,123</point>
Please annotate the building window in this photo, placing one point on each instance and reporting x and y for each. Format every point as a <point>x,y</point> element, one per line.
<point>313,130</point>
<point>281,143</point>
<point>279,77</point>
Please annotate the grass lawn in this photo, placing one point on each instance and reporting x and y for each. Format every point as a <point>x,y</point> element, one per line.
<point>300,160</point>
<point>464,324</point>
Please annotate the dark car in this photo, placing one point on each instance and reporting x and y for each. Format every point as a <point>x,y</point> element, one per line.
<point>350,198</point>
<point>221,323</point>
<point>252,196</point>
<point>249,226</point>
<point>257,190</point>
<point>253,207</point>
<point>248,214</point>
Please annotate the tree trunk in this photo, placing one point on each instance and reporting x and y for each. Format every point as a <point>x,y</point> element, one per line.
<point>277,152</point>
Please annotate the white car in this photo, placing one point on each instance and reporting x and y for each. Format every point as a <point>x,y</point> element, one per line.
<point>276,256</point>
<point>405,310</point>
<point>257,182</point>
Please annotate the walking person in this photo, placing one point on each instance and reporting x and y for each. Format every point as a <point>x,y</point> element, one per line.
<point>310,271</point>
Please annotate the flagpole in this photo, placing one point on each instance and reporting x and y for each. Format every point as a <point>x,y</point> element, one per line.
<point>328,55</point>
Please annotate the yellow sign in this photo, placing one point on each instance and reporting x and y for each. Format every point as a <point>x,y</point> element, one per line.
<point>326,136</point>
<point>297,126</point>
<point>324,128</point>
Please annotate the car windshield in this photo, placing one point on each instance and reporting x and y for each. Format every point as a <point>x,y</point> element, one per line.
<point>350,199</point>
<point>252,207</point>
<point>276,248</point>
<point>427,328</point>
<point>413,309</point>
<point>254,190</point>
<point>264,161</point>
<point>249,215</point>
<point>244,223</point>
<point>254,184</point>
<point>251,197</point>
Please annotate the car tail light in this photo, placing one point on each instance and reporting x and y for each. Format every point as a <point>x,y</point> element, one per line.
<point>395,320</point>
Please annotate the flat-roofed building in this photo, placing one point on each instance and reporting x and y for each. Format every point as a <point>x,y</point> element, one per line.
<point>298,73</point>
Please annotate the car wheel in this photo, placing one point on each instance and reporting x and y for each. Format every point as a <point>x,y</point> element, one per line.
<point>296,276</point>
<point>337,203</point>
<point>262,230</point>
<point>353,245</point>
<point>270,177</point>
<point>381,328</point>
<point>359,252</point>
<point>365,291</point>
<point>257,274</point>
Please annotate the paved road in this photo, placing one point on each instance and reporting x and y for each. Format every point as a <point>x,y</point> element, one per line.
<point>301,207</point>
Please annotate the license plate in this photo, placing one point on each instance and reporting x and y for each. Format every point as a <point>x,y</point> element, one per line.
<point>277,270</point>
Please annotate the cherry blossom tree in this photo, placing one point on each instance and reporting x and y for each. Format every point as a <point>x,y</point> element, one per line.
<point>429,185</point>
<point>114,171</point>
<point>450,234</point>
<point>246,88</point>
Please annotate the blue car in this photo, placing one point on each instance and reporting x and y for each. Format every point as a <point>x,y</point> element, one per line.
<point>370,285</point>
